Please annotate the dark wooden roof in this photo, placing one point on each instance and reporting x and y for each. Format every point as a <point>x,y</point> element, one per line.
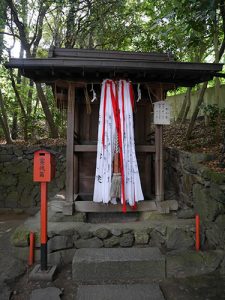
<point>95,65</point>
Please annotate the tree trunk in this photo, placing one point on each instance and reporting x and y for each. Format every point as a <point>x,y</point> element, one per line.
<point>29,97</point>
<point>6,131</point>
<point>3,114</point>
<point>48,114</point>
<point>29,105</point>
<point>3,7</point>
<point>188,105</point>
<point>195,113</point>
<point>23,111</point>
<point>70,28</point>
<point>17,101</point>
<point>182,110</point>
<point>4,121</point>
<point>14,129</point>
<point>218,55</point>
<point>216,50</point>
<point>30,46</point>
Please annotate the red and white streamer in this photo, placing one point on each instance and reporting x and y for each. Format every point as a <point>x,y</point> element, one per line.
<point>116,118</point>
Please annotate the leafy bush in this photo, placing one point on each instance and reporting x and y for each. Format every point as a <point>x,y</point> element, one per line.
<point>212,112</point>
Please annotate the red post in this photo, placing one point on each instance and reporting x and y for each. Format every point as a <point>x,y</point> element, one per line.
<point>44,212</point>
<point>31,254</point>
<point>44,222</point>
<point>197,232</point>
<point>44,172</point>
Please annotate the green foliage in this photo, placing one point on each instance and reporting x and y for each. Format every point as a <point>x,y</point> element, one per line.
<point>181,27</point>
<point>213,112</point>
<point>7,91</point>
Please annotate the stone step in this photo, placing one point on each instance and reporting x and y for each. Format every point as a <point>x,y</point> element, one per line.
<point>115,292</point>
<point>117,265</point>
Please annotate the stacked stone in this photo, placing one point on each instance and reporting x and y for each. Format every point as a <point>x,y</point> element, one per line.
<point>197,187</point>
<point>181,258</point>
<point>17,188</point>
<point>63,243</point>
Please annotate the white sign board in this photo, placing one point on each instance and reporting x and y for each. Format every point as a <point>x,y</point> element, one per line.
<point>161,113</point>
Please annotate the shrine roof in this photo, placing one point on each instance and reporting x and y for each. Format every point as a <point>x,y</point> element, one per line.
<point>96,65</point>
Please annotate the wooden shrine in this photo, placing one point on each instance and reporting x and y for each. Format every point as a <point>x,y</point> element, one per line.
<point>72,73</point>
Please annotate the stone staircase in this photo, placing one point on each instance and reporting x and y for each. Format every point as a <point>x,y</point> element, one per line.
<point>118,265</point>
<point>149,291</point>
<point>126,259</point>
<point>124,273</point>
<point>141,264</point>
<point>135,273</point>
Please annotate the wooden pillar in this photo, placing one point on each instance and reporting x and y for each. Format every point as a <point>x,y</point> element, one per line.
<point>159,164</point>
<point>76,160</point>
<point>69,205</point>
<point>159,174</point>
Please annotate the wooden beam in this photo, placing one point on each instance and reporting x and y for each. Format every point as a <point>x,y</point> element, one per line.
<point>93,148</point>
<point>147,205</point>
<point>166,86</point>
<point>66,83</point>
<point>69,151</point>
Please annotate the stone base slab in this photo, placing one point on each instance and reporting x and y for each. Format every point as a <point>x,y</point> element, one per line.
<point>38,274</point>
<point>192,263</point>
<point>115,292</point>
<point>116,264</point>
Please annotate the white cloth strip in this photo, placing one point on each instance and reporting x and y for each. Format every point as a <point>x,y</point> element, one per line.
<point>104,169</point>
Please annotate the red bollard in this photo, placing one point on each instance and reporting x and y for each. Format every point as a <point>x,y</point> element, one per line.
<point>197,232</point>
<point>31,253</point>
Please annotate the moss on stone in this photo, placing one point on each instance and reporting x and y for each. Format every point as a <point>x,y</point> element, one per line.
<point>214,177</point>
<point>20,237</point>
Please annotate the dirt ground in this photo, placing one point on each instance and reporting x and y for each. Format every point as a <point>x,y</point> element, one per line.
<point>205,139</point>
<point>8,223</point>
<point>63,281</point>
<point>21,286</point>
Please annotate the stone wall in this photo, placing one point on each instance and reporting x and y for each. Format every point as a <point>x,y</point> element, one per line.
<point>197,187</point>
<point>17,189</point>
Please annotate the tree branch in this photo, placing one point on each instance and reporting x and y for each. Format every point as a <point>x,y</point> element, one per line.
<point>36,40</point>
<point>222,11</point>
<point>20,27</point>
<point>10,34</point>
